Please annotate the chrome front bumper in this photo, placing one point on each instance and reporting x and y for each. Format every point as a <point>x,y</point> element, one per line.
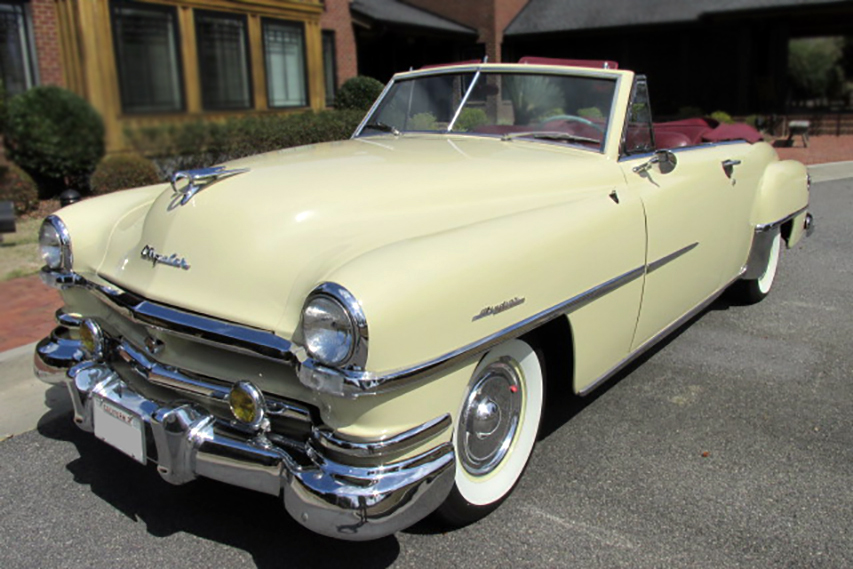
<point>333,498</point>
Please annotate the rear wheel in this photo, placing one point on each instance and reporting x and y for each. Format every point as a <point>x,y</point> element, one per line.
<point>495,431</point>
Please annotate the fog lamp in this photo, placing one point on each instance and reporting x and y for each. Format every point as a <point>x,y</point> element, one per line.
<point>92,339</point>
<point>247,404</point>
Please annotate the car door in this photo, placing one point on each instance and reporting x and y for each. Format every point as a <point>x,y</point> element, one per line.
<point>687,223</point>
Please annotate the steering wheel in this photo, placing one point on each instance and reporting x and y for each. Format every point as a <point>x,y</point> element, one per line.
<point>572,118</point>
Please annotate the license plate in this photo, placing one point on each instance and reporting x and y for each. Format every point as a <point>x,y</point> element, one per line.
<point>119,428</point>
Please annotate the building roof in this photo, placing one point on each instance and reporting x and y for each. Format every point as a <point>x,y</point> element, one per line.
<point>544,16</point>
<point>395,12</point>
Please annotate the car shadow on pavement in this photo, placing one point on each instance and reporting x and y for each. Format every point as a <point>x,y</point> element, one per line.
<point>563,404</point>
<point>242,519</point>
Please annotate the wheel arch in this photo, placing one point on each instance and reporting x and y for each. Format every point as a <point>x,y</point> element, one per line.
<point>554,340</point>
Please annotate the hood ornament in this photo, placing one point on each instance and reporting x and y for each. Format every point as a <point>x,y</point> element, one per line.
<point>199,179</point>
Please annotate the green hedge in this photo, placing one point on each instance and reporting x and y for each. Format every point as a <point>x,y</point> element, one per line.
<point>203,144</point>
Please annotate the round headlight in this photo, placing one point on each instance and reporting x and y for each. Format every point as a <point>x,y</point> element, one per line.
<point>55,244</point>
<point>328,330</point>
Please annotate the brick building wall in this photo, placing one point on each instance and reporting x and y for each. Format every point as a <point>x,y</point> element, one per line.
<point>336,17</point>
<point>489,17</point>
<point>46,36</point>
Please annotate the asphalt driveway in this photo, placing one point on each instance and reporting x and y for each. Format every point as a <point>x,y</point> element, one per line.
<point>730,445</point>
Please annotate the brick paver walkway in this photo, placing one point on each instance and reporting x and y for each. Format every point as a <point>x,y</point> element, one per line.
<point>27,307</point>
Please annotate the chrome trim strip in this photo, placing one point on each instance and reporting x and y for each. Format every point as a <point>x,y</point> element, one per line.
<point>655,339</point>
<point>161,375</point>
<point>359,383</point>
<point>397,444</point>
<point>678,149</point>
<point>655,265</point>
<point>233,337</point>
<point>775,224</point>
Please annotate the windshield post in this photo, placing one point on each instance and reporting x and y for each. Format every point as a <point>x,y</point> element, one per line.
<point>463,101</point>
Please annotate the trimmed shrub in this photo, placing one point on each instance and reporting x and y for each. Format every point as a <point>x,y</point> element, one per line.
<point>202,144</point>
<point>469,119</point>
<point>358,93</point>
<point>722,117</point>
<point>17,186</point>
<point>123,171</point>
<point>55,136</point>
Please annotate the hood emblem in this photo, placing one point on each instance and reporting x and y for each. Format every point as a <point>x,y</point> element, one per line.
<point>150,254</point>
<point>197,180</point>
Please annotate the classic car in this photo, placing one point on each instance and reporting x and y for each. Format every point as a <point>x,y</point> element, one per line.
<point>365,329</point>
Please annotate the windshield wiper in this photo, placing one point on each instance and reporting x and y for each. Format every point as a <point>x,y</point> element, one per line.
<point>547,135</point>
<point>383,127</point>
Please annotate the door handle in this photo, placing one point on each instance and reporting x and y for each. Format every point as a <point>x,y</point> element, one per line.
<point>729,166</point>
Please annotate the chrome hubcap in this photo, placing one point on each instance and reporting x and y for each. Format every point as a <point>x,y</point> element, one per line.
<point>490,418</point>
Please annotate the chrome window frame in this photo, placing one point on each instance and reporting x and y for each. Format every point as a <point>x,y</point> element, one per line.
<point>489,68</point>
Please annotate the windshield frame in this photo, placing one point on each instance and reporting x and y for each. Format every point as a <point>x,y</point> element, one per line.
<point>611,132</point>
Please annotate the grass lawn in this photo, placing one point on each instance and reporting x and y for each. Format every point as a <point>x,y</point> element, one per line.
<point>19,255</point>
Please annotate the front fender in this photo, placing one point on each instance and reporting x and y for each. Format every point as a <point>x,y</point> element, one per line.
<point>428,296</point>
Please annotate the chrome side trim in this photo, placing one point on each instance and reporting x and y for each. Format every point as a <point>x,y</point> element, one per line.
<point>655,265</point>
<point>776,224</point>
<point>398,444</point>
<point>762,244</point>
<point>353,383</point>
<point>655,339</point>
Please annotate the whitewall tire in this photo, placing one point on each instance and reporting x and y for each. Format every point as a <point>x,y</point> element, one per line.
<point>495,431</point>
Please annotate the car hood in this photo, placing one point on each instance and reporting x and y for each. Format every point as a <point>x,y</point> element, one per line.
<point>255,244</point>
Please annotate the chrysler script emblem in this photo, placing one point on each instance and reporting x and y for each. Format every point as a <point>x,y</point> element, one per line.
<point>150,254</point>
<point>498,308</point>
<point>199,179</point>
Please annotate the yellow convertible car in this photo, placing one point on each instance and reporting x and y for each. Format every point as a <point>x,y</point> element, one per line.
<point>365,329</point>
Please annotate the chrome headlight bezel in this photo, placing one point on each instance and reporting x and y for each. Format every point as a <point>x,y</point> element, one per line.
<point>54,234</point>
<point>353,319</point>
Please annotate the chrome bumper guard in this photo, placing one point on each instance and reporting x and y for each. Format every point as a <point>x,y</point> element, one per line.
<point>352,502</point>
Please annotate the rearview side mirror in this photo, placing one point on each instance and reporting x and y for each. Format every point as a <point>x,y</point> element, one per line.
<point>665,159</point>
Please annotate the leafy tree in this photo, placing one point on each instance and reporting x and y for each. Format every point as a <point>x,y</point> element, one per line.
<point>815,67</point>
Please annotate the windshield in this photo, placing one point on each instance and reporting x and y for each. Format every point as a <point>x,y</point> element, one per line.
<point>563,108</point>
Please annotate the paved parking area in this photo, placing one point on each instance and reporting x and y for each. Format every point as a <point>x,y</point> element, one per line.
<point>730,445</point>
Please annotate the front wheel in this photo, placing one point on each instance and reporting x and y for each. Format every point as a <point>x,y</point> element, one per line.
<point>751,291</point>
<point>495,431</point>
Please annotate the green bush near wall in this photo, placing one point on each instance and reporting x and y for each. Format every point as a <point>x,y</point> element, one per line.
<point>203,144</point>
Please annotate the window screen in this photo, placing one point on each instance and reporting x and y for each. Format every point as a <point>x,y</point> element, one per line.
<point>223,61</point>
<point>284,51</point>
